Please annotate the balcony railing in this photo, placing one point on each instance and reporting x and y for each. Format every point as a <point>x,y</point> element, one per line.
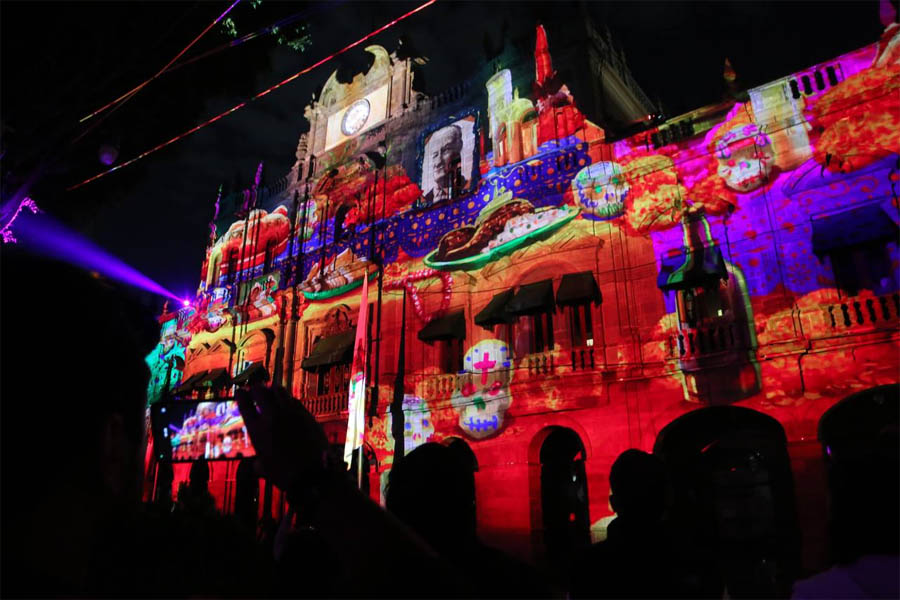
<point>693,342</point>
<point>436,386</point>
<point>583,358</point>
<point>539,364</point>
<point>859,313</point>
<point>326,404</point>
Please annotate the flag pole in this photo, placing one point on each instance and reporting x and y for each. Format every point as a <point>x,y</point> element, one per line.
<point>397,424</point>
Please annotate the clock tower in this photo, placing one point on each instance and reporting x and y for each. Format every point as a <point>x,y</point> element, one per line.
<point>345,111</point>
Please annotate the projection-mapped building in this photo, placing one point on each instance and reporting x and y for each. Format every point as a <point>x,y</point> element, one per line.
<point>707,288</point>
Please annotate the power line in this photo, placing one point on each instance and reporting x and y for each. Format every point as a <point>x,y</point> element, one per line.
<point>255,97</point>
<point>127,95</point>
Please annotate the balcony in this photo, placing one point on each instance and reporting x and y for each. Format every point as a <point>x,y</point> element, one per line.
<point>691,343</point>
<point>583,358</point>
<point>539,364</point>
<point>326,404</point>
<point>434,386</point>
<point>859,314</point>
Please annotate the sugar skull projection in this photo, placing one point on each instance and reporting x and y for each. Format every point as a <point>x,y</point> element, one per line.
<point>601,190</point>
<point>482,394</point>
<point>417,424</point>
<point>746,158</point>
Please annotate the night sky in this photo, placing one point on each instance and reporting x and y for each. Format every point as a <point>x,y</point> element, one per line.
<point>62,61</point>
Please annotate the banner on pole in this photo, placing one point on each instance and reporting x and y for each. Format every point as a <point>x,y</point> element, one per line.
<point>356,407</point>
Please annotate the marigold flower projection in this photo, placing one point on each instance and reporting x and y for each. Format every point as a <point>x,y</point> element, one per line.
<point>657,200</point>
<point>861,120</point>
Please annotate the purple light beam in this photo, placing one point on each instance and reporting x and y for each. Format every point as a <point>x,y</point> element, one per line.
<point>41,234</point>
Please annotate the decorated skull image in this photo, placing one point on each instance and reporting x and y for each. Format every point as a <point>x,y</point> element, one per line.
<point>482,394</point>
<point>601,189</point>
<point>417,424</point>
<point>746,158</point>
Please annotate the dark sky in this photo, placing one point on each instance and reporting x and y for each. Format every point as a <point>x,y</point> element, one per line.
<point>61,61</point>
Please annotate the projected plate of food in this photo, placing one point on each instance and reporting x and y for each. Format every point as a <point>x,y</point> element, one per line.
<point>498,232</point>
<point>338,277</point>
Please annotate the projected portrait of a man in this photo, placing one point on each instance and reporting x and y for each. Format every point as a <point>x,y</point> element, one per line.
<point>448,161</point>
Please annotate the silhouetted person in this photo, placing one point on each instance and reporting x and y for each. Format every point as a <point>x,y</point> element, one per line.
<point>194,497</point>
<point>246,494</point>
<point>72,351</point>
<point>433,491</point>
<point>375,555</point>
<point>72,360</point>
<point>865,521</point>
<point>165,475</point>
<point>636,560</point>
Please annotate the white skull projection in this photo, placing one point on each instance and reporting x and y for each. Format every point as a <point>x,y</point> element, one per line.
<point>746,158</point>
<point>601,189</point>
<point>417,424</point>
<point>482,393</point>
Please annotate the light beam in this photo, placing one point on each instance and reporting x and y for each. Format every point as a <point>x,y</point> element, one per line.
<point>44,235</point>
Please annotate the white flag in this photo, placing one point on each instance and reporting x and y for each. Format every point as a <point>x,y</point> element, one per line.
<point>356,419</point>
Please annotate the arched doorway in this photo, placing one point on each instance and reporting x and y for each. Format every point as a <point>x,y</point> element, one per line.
<point>861,450</point>
<point>564,496</point>
<point>733,504</point>
<point>852,426</point>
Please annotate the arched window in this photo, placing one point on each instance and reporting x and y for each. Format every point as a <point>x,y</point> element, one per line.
<point>213,278</point>
<point>232,265</point>
<point>564,496</point>
<point>270,256</point>
<point>340,216</point>
<point>733,491</point>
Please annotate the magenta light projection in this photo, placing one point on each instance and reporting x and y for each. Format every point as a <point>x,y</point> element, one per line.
<point>6,230</point>
<point>46,236</point>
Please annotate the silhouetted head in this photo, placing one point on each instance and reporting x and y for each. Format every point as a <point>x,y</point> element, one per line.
<point>432,490</point>
<point>637,484</point>
<point>199,476</point>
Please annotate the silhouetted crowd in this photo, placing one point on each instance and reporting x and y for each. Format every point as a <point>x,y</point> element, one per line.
<point>74,524</point>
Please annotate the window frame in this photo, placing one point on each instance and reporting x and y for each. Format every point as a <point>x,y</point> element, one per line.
<point>856,267</point>
<point>540,337</point>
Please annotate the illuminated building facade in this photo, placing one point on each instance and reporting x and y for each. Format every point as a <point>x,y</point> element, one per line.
<point>707,288</point>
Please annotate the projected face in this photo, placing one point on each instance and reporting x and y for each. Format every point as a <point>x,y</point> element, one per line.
<point>445,154</point>
<point>483,395</point>
<point>745,158</point>
<point>448,161</point>
<point>417,424</point>
<point>601,189</point>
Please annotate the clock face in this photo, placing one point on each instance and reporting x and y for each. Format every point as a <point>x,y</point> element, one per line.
<point>355,117</point>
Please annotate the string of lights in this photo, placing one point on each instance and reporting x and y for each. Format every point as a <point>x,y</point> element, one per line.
<point>258,33</point>
<point>127,95</point>
<point>213,51</point>
<point>253,98</point>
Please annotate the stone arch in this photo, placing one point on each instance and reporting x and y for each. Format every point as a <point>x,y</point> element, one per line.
<point>247,341</point>
<point>335,93</point>
<point>733,491</point>
<point>381,67</point>
<point>330,90</point>
<point>859,418</point>
<point>861,446</point>
<point>560,513</point>
<point>559,422</point>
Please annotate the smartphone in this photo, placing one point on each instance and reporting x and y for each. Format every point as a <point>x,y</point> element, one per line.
<point>190,430</point>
